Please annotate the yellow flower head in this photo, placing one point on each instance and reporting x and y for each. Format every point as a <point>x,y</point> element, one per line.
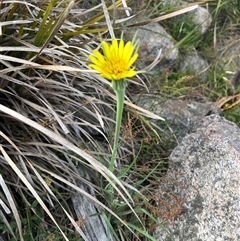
<point>116,61</point>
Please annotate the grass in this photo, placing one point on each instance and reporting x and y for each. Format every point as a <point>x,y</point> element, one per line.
<point>57,116</point>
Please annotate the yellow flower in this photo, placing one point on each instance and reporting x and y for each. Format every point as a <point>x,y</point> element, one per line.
<point>116,61</point>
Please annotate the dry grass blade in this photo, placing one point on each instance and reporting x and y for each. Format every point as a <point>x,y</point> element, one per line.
<point>18,82</point>
<point>107,18</point>
<point>11,23</point>
<point>31,48</point>
<point>46,67</point>
<point>166,16</point>
<point>11,201</point>
<point>4,206</point>
<point>16,60</point>
<point>126,7</point>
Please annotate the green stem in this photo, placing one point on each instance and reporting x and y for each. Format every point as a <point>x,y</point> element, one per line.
<point>119,88</point>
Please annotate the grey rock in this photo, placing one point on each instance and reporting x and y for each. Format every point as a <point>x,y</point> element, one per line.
<point>205,172</point>
<point>196,65</point>
<point>181,114</point>
<point>201,17</point>
<point>153,38</point>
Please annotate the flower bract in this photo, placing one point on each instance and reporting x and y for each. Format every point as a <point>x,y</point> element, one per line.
<point>116,61</point>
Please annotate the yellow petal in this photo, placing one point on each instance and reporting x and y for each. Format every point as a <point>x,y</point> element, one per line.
<point>128,51</point>
<point>95,67</point>
<point>106,49</point>
<point>131,73</point>
<point>106,75</point>
<point>97,59</point>
<point>115,47</point>
<point>120,48</point>
<point>93,59</point>
<point>132,60</point>
<point>99,56</point>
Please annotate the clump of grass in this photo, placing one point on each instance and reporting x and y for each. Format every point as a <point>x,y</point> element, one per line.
<point>50,102</point>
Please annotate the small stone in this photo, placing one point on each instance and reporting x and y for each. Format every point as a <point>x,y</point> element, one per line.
<point>195,64</point>
<point>201,17</point>
<point>153,38</point>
